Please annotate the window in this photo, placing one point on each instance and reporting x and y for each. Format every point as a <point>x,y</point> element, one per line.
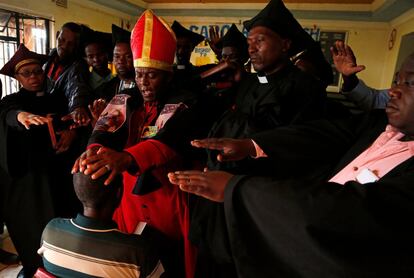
<point>17,28</point>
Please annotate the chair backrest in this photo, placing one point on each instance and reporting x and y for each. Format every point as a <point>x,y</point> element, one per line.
<point>42,273</point>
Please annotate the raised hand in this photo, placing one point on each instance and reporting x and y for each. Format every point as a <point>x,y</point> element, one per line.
<point>344,59</point>
<point>214,39</point>
<point>79,116</point>
<point>96,109</point>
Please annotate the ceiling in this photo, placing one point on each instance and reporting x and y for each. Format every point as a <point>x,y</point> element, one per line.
<point>263,1</point>
<point>351,10</point>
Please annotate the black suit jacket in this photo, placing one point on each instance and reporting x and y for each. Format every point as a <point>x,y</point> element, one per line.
<point>306,228</point>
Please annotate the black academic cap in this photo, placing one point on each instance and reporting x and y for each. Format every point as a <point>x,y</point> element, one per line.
<point>89,36</point>
<point>22,57</point>
<point>278,18</point>
<point>181,32</point>
<point>120,35</point>
<point>235,38</point>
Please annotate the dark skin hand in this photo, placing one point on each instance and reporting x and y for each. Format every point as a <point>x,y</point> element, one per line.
<point>214,39</point>
<point>80,117</point>
<point>344,59</point>
<point>79,165</point>
<point>231,149</point>
<point>96,109</point>
<point>27,119</point>
<point>208,184</point>
<point>102,160</point>
<point>66,138</point>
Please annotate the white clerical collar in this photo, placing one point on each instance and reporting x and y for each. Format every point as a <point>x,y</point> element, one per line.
<point>262,79</point>
<point>181,67</point>
<point>40,94</point>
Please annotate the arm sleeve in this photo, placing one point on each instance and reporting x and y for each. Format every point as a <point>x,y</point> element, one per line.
<point>151,154</point>
<point>292,220</point>
<point>367,98</point>
<point>77,89</point>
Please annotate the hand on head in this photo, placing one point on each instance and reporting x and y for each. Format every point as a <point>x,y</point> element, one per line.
<point>99,160</point>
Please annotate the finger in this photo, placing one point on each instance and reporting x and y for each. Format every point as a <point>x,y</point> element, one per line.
<point>189,189</point>
<point>90,108</point>
<point>357,69</point>
<point>209,143</point>
<point>98,173</point>
<point>66,117</point>
<point>102,150</point>
<point>75,167</point>
<point>26,125</point>
<point>334,52</point>
<point>62,149</point>
<point>92,160</point>
<point>111,177</point>
<point>172,178</point>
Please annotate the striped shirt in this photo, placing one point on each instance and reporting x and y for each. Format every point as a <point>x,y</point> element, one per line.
<point>86,247</point>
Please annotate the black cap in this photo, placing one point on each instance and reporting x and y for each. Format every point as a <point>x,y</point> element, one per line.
<point>89,36</point>
<point>181,32</point>
<point>278,18</point>
<point>235,38</point>
<point>22,57</point>
<point>120,35</point>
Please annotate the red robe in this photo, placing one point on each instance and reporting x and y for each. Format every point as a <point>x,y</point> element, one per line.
<point>166,208</point>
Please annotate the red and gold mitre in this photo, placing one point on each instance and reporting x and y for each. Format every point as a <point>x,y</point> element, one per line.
<point>153,43</point>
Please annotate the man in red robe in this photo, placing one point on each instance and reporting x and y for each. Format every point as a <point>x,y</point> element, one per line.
<point>125,145</point>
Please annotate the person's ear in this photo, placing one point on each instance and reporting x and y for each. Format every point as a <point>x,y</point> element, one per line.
<point>286,45</point>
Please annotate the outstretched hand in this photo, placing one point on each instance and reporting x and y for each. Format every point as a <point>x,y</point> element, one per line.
<point>27,119</point>
<point>230,149</point>
<point>208,184</point>
<point>105,160</point>
<point>344,59</point>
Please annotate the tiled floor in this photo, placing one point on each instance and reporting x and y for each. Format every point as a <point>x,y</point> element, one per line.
<point>8,271</point>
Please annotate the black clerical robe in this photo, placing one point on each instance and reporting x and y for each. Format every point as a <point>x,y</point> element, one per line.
<point>307,228</point>
<point>289,96</point>
<point>36,181</point>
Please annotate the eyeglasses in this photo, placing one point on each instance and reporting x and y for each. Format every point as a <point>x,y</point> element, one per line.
<point>406,83</point>
<point>27,73</point>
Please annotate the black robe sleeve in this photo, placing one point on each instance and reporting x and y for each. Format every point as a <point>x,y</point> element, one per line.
<point>306,229</point>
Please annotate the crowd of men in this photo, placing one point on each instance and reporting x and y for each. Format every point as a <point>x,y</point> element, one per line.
<point>204,171</point>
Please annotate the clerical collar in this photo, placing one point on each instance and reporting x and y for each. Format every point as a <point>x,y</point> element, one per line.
<point>40,94</point>
<point>262,78</point>
<point>181,67</point>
